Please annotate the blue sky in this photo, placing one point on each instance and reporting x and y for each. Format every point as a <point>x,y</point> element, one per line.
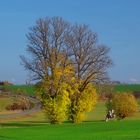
<point>117,23</point>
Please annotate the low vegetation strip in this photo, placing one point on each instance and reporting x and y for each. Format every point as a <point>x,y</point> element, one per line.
<point>127,88</point>
<point>27,89</point>
<point>30,89</point>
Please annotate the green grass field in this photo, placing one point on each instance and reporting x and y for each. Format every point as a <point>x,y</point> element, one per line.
<point>119,130</point>
<point>35,126</point>
<point>29,89</point>
<point>127,88</point>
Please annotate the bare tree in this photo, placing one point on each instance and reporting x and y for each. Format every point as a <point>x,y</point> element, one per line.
<point>45,45</point>
<point>90,60</point>
<point>53,42</point>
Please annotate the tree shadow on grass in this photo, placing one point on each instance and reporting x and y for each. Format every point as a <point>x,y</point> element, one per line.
<point>5,138</point>
<point>23,124</point>
<point>39,123</point>
<point>93,121</point>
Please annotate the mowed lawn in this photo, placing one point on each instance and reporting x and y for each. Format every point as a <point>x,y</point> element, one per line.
<point>113,130</point>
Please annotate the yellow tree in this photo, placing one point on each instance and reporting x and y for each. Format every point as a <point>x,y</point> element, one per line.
<point>50,65</point>
<point>54,91</point>
<point>124,105</point>
<point>90,62</point>
<point>81,102</point>
<point>61,52</point>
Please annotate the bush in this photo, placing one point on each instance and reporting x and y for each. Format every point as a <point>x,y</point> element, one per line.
<point>124,105</point>
<point>15,106</point>
<point>25,103</point>
<point>20,103</point>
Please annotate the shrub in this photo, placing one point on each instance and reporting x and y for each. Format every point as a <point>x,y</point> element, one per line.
<point>14,106</point>
<point>20,103</point>
<point>124,105</point>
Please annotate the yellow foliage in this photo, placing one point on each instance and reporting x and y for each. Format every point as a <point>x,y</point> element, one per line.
<point>61,91</point>
<point>56,108</point>
<point>82,102</point>
<point>124,105</point>
<point>54,93</point>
